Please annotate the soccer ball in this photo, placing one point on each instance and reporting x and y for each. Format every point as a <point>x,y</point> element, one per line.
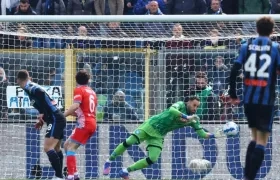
<point>200,166</point>
<point>231,129</point>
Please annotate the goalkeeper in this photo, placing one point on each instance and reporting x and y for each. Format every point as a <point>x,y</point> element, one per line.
<point>153,131</point>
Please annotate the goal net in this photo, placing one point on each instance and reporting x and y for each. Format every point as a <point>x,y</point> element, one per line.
<point>139,66</point>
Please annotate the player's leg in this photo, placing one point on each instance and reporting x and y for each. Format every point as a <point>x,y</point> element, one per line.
<point>136,137</point>
<point>53,136</point>
<point>70,149</point>
<point>264,127</point>
<point>49,148</point>
<point>59,153</point>
<point>78,137</point>
<point>251,118</point>
<point>154,150</point>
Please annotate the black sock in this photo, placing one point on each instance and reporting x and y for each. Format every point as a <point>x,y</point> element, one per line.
<point>55,162</point>
<point>250,150</point>
<point>256,161</point>
<point>60,155</point>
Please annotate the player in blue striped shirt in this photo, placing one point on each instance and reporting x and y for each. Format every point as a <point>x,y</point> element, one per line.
<point>260,59</point>
<point>50,114</point>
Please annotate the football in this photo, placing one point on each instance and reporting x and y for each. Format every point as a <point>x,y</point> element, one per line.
<point>200,166</point>
<point>231,129</point>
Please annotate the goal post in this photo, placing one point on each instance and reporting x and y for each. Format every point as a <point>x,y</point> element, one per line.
<point>155,61</point>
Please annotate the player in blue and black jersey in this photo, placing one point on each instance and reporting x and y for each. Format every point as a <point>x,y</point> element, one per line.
<point>50,114</point>
<point>260,59</point>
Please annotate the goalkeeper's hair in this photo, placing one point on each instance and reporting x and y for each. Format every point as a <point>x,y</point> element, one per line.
<point>82,77</point>
<point>191,98</point>
<point>265,26</point>
<point>23,75</point>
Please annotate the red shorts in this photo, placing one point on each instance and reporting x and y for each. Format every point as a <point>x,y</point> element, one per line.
<point>81,135</point>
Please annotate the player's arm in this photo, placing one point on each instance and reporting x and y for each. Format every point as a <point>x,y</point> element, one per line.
<point>204,134</point>
<point>40,95</point>
<point>200,131</point>
<point>234,71</point>
<point>175,110</point>
<point>76,104</point>
<point>72,109</point>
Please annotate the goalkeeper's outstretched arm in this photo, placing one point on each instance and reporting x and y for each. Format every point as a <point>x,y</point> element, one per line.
<point>203,134</point>
<point>206,135</point>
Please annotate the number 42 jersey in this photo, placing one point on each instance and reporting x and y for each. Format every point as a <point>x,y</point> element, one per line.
<point>261,60</point>
<point>86,113</point>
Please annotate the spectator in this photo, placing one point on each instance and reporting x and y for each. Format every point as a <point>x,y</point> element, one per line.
<point>254,6</point>
<point>215,7</point>
<point>119,109</point>
<point>78,7</point>
<point>177,31</point>
<point>214,40</point>
<point>155,29</point>
<point>99,6</point>
<point>128,7</point>
<point>143,6</point>
<point>50,7</point>
<point>235,43</point>
<point>186,7</point>
<point>70,31</point>
<point>20,41</point>
<point>113,29</point>
<point>275,6</point>
<point>24,8</point>
<point>3,100</point>
<point>116,7</point>
<point>8,7</point>
<point>209,107</point>
<point>153,8</point>
<point>81,42</point>
<point>218,75</point>
<point>177,40</point>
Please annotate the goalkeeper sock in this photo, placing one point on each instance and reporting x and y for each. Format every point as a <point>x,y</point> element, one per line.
<point>71,163</point>
<point>55,162</point>
<point>121,148</point>
<point>256,161</point>
<point>141,164</point>
<point>60,155</point>
<point>250,150</point>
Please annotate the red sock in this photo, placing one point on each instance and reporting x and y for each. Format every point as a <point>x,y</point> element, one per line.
<point>71,165</point>
<point>75,170</point>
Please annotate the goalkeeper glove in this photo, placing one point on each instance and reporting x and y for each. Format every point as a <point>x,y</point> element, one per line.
<point>219,133</point>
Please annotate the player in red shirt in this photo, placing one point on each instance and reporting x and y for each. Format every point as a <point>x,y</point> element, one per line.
<point>84,107</point>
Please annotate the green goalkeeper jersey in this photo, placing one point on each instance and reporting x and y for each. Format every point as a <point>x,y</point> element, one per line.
<point>169,120</point>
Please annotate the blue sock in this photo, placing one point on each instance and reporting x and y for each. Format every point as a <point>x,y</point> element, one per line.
<point>250,150</point>
<point>60,155</point>
<point>55,162</point>
<point>256,161</point>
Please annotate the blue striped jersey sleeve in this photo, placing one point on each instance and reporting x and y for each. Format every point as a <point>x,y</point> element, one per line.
<point>242,54</point>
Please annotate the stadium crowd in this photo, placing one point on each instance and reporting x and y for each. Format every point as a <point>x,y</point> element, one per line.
<point>119,81</point>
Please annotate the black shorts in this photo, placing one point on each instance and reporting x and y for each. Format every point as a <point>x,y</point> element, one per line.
<point>56,124</point>
<point>259,116</point>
